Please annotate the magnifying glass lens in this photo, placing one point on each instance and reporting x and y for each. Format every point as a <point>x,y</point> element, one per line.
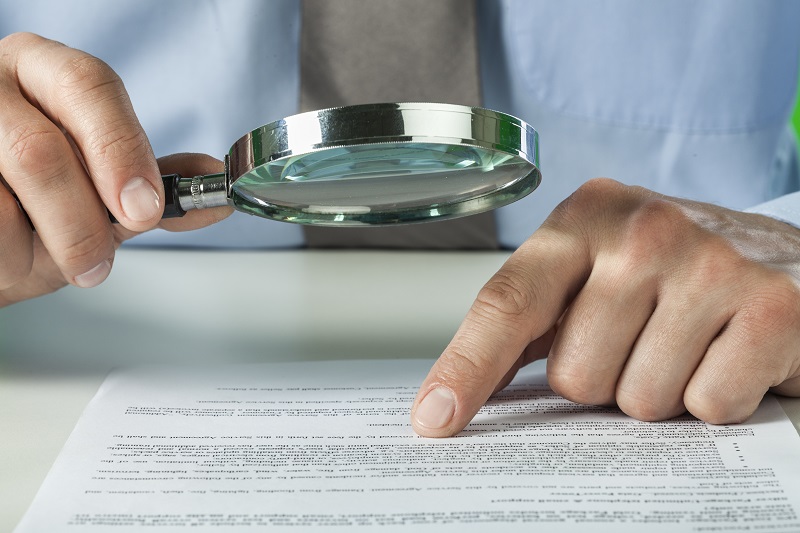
<point>384,183</point>
<point>371,164</point>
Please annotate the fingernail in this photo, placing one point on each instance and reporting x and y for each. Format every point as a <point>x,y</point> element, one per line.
<point>436,409</point>
<point>139,200</point>
<point>95,276</point>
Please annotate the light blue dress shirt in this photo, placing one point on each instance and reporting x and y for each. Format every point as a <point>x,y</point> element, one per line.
<point>689,98</point>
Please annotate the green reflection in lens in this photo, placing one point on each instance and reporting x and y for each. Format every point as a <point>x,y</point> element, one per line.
<point>384,184</point>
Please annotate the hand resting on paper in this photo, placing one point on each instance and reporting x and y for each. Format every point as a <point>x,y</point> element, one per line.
<point>656,304</point>
<point>70,146</point>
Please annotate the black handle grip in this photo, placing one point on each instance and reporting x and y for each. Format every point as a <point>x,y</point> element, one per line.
<point>172,206</point>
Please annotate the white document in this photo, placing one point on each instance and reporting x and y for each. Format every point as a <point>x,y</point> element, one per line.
<point>289,447</point>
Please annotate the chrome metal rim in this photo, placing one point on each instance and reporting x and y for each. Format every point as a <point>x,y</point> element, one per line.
<point>383,123</point>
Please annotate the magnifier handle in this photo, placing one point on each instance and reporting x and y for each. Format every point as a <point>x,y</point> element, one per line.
<point>172,205</point>
<point>184,194</point>
<point>180,194</point>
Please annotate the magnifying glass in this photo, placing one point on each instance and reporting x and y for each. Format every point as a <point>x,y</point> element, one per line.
<point>374,164</point>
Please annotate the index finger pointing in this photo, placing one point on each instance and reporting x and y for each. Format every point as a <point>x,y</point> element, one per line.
<point>517,305</point>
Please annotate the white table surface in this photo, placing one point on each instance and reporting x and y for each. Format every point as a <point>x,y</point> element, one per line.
<point>200,306</point>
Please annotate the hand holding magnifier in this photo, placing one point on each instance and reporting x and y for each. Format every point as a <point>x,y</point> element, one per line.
<point>374,164</point>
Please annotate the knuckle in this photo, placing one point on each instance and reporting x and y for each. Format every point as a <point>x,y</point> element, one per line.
<point>85,247</point>
<point>657,215</point>
<point>460,367</point>
<point>594,203</point>
<point>577,383</point>
<point>505,295</point>
<point>34,147</point>
<point>773,310</point>
<point>84,73</point>
<point>600,186</point>
<point>20,39</point>
<point>726,398</point>
<point>643,405</point>
<point>587,195</point>
<point>116,143</point>
<point>84,82</point>
<point>714,264</point>
<point>655,227</point>
<point>574,208</point>
<point>655,233</point>
<point>714,408</point>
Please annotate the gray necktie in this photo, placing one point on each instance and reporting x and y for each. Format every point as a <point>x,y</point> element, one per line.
<point>364,51</point>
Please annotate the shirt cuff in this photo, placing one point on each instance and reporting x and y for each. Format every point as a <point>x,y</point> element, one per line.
<point>784,208</point>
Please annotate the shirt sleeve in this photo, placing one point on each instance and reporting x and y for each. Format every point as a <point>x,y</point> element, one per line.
<point>785,208</point>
